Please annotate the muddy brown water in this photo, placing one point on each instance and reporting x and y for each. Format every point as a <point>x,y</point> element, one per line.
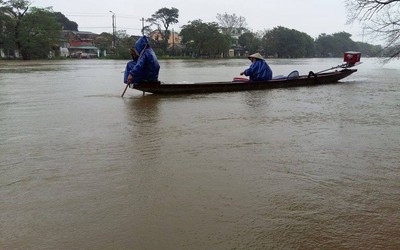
<point>300,168</point>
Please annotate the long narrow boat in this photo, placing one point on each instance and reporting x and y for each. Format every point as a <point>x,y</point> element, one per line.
<point>311,79</point>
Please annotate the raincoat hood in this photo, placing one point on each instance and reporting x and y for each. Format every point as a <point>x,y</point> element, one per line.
<point>141,44</point>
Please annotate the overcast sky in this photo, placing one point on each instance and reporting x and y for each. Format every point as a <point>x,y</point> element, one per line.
<point>310,16</point>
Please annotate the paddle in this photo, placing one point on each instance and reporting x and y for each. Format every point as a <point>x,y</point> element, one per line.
<point>123,93</point>
<point>129,82</point>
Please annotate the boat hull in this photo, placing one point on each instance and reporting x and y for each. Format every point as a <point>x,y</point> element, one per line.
<point>211,87</point>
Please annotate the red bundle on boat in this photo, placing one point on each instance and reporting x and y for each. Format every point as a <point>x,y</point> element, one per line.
<point>352,57</point>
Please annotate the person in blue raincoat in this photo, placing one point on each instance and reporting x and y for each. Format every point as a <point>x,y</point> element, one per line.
<point>147,67</point>
<point>259,70</point>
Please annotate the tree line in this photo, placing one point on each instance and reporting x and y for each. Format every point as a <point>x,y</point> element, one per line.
<point>33,32</point>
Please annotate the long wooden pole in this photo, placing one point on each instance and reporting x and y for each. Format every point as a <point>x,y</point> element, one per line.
<point>123,93</point>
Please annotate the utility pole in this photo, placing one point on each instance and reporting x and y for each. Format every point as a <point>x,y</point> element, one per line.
<point>142,25</point>
<point>173,42</point>
<point>113,17</point>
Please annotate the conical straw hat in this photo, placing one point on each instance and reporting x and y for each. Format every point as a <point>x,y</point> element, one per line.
<point>257,56</point>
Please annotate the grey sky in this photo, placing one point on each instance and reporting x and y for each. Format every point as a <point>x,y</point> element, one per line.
<point>310,16</point>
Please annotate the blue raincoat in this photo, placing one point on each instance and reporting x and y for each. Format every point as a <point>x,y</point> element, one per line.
<point>147,67</point>
<point>259,70</point>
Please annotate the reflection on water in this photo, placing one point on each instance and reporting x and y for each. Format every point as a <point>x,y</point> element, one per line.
<point>304,168</point>
<point>146,134</point>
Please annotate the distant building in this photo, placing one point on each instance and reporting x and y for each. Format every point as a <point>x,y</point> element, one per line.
<point>72,35</point>
<point>79,49</point>
<point>173,40</point>
<point>79,44</point>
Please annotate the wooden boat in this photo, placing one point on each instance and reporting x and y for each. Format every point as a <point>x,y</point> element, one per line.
<point>351,59</point>
<point>312,79</point>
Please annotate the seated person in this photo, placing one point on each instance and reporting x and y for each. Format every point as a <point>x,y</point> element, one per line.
<point>259,70</point>
<point>147,67</point>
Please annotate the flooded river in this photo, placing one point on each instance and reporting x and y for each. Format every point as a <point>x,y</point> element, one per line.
<point>300,168</point>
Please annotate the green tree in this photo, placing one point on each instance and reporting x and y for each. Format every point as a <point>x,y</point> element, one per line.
<point>368,49</point>
<point>163,19</point>
<point>13,11</point>
<point>287,43</point>
<point>231,24</point>
<point>381,20</point>
<point>250,41</point>
<point>124,43</point>
<point>7,42</point>
<point>324,45</point>
<point>204,39</point>
<point>34,32</point>
<point>103,41</point>
<point>65,22</point>
<point>344,42</point>
<point>39,34</point>
<point>334,45</point>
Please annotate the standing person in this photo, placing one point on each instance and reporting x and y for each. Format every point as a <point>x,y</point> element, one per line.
<point>147,67</point>
<point>131,64</point>
<point>259,70</point>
